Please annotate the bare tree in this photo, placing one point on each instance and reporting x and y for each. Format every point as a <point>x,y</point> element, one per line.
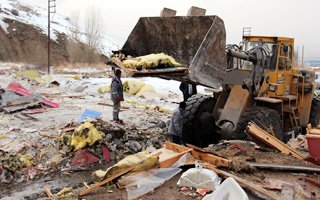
<point>94,31</point>
<point>74,46</point>
<point>86,51</point>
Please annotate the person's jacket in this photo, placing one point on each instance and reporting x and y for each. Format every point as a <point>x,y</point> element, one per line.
<point>116,89</point>
<point>184,87</point>
<point>175,126</point>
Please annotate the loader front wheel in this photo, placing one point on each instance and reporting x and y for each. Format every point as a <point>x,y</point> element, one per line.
<point>198,122</point>
<point>266,118</point>
<point>314,118</point>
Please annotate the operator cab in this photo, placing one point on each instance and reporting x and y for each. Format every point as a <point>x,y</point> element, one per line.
<point>277,61</point>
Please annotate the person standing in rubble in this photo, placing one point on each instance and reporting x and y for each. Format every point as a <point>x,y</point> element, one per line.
<point>175,126</point>
<point>116,95</point>
<point>187,90</point>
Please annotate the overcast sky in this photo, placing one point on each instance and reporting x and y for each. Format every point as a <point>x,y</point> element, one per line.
<point>293,18</point>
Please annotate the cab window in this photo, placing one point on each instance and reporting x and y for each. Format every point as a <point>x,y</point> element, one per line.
<point>285,57</point>
<point>289,58</point>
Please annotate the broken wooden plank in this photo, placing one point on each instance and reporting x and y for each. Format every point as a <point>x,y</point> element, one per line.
<point>48,191</point>
<point>33,111</point>
<point>313,181</point>
<point>198,148</point>
<point>286,167</point>
<point>178,71</point>
<point>208,157</point>
<point>242,182</point>
<point>110,105</point>
<point>29,116</point>
<point>262,135</point>
<point>116,175</point>
<point>118,62</point>
<point>170,161</point>
<point>48,135</point>
<point>24,117</point>
<point>69,129</point>
<point>314,131</point>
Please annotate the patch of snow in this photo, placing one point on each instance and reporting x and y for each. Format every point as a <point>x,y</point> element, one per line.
<point>38,17</point>
<point>84,70</point>
<point>4,26</point>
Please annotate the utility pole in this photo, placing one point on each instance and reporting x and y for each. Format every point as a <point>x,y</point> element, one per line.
<point>302,55</point>
<point>51,10</point>
<point>297,59</point>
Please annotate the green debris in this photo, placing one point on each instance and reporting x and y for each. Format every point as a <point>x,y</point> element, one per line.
<point>65,191</point>
<point>15,162</point>
<point>132,86</point>
<point>104,89</point>
<point>76,77</point>
<point>31,75</point>
<point>3,136</point>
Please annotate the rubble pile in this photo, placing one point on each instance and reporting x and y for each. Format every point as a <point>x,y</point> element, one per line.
<point>51,146</point>
<point>119,140</point>
<point>243,153</point>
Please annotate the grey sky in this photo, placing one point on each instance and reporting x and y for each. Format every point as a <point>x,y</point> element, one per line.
<point>293,18</point>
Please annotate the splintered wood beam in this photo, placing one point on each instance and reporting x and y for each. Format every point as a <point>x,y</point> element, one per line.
<point>286,168</point>
<point>271,141</point>
<point>170,161</point>
<point>213,159</point>
<point>118,62</point>
<point>48,191</point>
<point>242,182</point>
<point>313,181</point>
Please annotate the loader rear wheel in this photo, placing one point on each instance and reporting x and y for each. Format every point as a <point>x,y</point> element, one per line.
<point>315,112</point>
<point>198,122</point>
<point>266,118</point>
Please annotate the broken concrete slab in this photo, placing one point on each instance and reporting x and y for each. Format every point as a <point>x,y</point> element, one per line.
<point>10,98</point>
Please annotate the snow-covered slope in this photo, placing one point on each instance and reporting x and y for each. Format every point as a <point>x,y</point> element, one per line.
<point>38,17</point>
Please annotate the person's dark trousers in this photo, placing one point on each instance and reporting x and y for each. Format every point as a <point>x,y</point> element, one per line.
<point>176,139</point>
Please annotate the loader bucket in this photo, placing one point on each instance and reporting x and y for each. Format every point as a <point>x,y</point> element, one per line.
<point>197,42</point>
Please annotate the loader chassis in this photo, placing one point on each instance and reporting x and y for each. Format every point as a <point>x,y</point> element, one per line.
<point>258,79</point>
<point>262,84</point>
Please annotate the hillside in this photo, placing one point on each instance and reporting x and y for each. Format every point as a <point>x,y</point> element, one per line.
<point>23,35</point>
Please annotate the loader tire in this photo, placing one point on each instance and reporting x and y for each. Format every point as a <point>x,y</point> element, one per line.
<point>314,119</point>
<point>265,118</point>
<point>198,122</point>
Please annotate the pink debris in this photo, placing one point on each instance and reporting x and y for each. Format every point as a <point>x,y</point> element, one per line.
<point>106,153</point>
<point>203,192</point>
<point>83,157</point>
<point>19,89</point>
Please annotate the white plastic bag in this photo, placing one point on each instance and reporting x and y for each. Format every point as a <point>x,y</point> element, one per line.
<point>144,182</point>
<point>228,190</point>
<point>199,178</point>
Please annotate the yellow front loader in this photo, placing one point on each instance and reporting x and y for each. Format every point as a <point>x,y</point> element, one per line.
<point>258,78</point>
